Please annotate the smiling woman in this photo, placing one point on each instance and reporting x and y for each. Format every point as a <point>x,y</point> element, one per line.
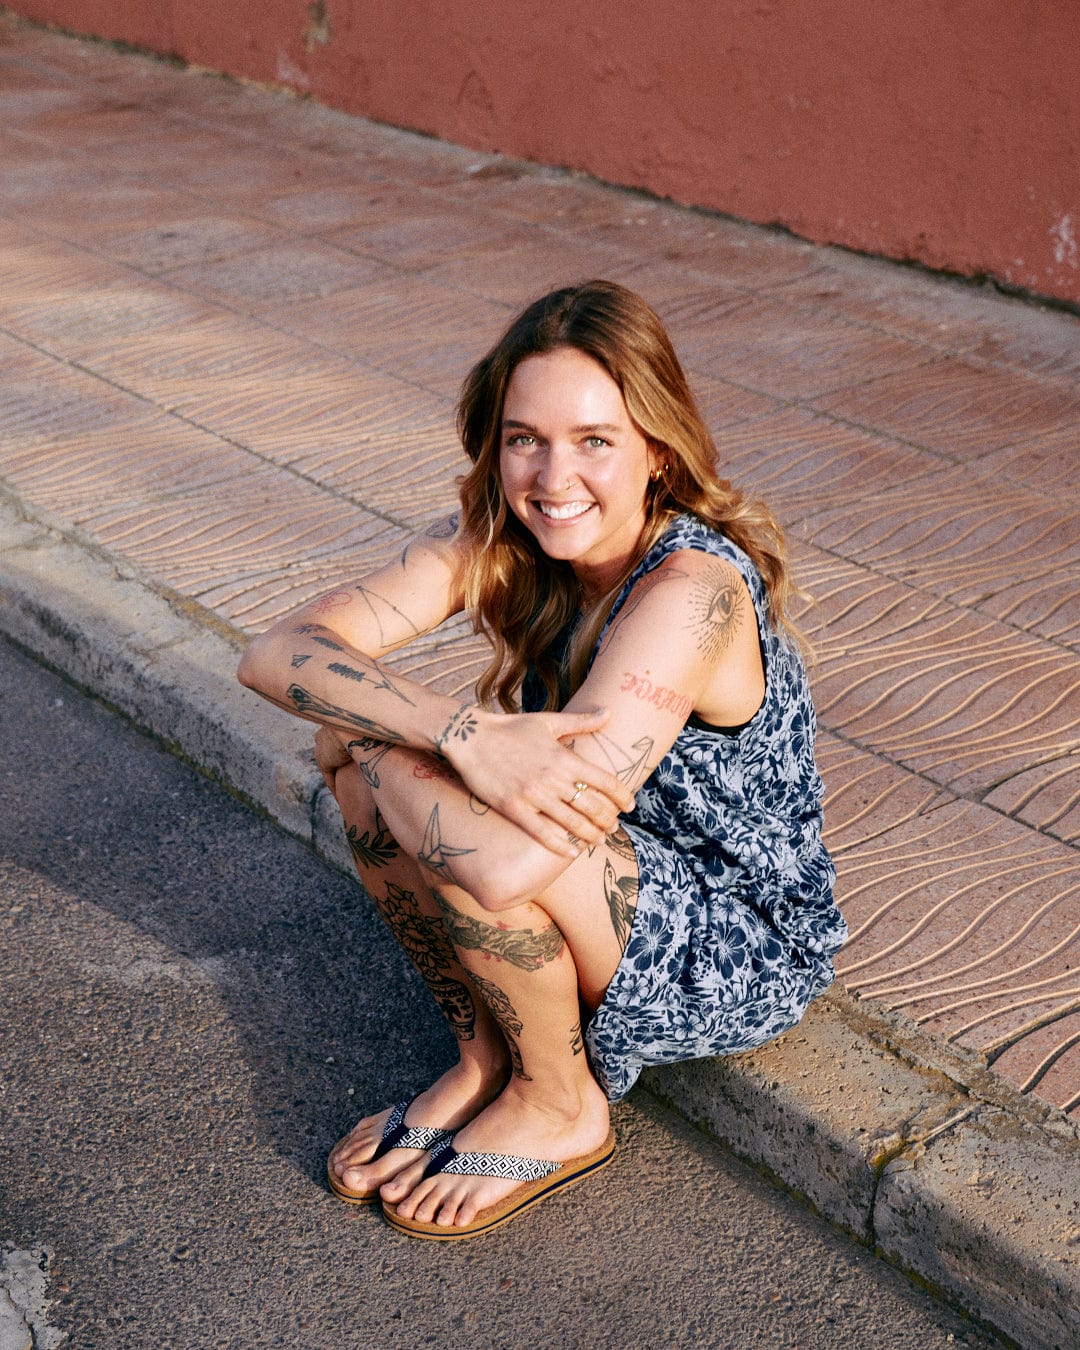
<point>575,468</point>
<point>623,865</point>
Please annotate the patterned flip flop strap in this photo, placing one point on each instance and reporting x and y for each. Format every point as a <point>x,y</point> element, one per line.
<point>504,1166</point>
<point>396,1134</point>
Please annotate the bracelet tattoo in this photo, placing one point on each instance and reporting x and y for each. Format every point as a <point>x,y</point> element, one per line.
<point>460,727</point>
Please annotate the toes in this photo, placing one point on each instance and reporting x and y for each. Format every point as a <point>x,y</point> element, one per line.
<point>399,1185</point>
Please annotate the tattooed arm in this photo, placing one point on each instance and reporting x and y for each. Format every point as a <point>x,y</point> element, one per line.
<point>689,645</point>
<point>322,663</point>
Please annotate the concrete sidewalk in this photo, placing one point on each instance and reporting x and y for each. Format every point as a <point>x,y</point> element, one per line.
<point>231,328</point>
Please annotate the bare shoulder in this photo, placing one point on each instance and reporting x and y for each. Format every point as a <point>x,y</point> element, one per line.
<point>443,541</point>
<point>689,594</point>
<point>718,602</point>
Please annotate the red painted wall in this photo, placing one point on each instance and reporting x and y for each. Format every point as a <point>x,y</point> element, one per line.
<point>944,131</point>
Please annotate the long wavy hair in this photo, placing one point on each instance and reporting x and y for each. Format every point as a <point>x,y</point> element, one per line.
<point>518,596</point>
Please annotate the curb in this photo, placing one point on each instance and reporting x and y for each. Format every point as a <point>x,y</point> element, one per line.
<point>907,1143</point>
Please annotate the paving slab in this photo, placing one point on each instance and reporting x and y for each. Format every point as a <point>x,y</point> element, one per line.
<point>231,382</point>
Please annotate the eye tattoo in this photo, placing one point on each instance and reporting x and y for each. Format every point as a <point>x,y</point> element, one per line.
<point>717,600</point>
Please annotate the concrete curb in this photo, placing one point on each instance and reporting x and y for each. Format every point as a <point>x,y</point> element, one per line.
<point>903,1141</point>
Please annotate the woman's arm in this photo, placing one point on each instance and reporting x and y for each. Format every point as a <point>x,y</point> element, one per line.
<point>686,640</point>
<point>322,663</point>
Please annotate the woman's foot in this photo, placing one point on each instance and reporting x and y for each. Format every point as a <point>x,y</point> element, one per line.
<point>450,1103</point>
<point>520,1122</point>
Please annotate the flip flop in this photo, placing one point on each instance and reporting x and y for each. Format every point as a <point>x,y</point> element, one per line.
<point>539,1180</point>
<point>396,1134</point>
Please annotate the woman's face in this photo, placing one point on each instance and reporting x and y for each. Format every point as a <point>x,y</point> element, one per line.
<point>574,466</point>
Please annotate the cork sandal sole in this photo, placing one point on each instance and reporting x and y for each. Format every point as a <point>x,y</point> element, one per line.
<point>517,1202</point>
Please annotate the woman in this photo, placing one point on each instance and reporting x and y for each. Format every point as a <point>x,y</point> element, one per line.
<point>629,871</point>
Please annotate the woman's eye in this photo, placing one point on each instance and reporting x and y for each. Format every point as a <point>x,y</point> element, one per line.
<point>519,438</point>
<point>597,442</point>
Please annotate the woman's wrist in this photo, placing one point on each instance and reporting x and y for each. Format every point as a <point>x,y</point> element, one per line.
<point>461,724</point>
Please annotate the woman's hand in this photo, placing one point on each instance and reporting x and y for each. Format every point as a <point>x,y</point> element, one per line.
<point>524,766</point>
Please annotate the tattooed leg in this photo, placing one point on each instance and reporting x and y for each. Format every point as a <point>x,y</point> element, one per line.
<point>621,885</point>
<point>532,967</point>
<point>394,882</point>
<point>398,889</point>
<point>552,1107</point>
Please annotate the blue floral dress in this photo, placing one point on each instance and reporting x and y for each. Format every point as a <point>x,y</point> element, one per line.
<point>735,924</point>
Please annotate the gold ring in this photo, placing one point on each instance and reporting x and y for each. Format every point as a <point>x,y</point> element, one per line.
<point>579,788</point>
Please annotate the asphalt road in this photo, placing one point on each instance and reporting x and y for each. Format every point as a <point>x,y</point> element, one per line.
<point>193,1008</point>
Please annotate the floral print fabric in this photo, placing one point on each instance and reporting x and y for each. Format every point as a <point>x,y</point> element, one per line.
<point>735,927</point>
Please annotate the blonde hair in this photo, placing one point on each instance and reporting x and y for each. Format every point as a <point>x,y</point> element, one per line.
<point>522,599</point>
